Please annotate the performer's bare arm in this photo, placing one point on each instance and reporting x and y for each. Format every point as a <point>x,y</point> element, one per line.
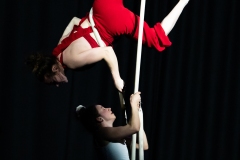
<point>74,21</point>
<point>94,55</point>
<point>145,142</point>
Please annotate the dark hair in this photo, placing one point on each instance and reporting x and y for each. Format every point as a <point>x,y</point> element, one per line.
<point>41,65</point>
<point>87,116</point>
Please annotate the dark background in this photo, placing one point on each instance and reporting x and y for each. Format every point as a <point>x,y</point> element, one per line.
<point>190,92</point>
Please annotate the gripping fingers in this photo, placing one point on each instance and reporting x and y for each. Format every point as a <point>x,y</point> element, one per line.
<point>135,98</point>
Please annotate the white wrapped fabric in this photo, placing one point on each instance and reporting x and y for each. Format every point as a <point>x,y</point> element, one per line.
<point>95,31</point>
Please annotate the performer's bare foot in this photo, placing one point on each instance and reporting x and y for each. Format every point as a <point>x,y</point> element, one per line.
<point>119,85</point>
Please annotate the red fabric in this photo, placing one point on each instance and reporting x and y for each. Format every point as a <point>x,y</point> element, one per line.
<point>112,19</point>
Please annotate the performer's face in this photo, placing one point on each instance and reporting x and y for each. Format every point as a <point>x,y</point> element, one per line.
<point>105,113</point>
<point>58,77</point>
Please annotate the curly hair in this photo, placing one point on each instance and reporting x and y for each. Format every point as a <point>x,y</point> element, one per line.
<point>41,65</point>
<point>87,116</point>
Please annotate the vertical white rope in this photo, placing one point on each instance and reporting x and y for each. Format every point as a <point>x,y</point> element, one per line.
<point>95,31</point>
<point>137,75</point>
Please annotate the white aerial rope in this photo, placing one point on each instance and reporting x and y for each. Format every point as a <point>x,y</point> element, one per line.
<point>137,75</point>
<point>95,31</point>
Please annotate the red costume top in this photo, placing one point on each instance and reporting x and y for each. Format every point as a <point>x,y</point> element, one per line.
<point>76,33</point>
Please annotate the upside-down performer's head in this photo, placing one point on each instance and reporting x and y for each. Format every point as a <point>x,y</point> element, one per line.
<point>47,68</point>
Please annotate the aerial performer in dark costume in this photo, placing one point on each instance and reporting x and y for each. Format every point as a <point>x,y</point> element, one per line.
<point>78,46</point>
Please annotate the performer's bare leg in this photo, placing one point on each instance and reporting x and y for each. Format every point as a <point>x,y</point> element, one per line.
<point>170,20</point>
<point>112,62</point>
<point>95,55</point>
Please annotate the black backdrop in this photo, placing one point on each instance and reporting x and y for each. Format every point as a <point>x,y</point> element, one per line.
<point>190,92</point>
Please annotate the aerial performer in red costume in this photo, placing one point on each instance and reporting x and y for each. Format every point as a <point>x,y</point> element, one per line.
<point>78,46</point>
